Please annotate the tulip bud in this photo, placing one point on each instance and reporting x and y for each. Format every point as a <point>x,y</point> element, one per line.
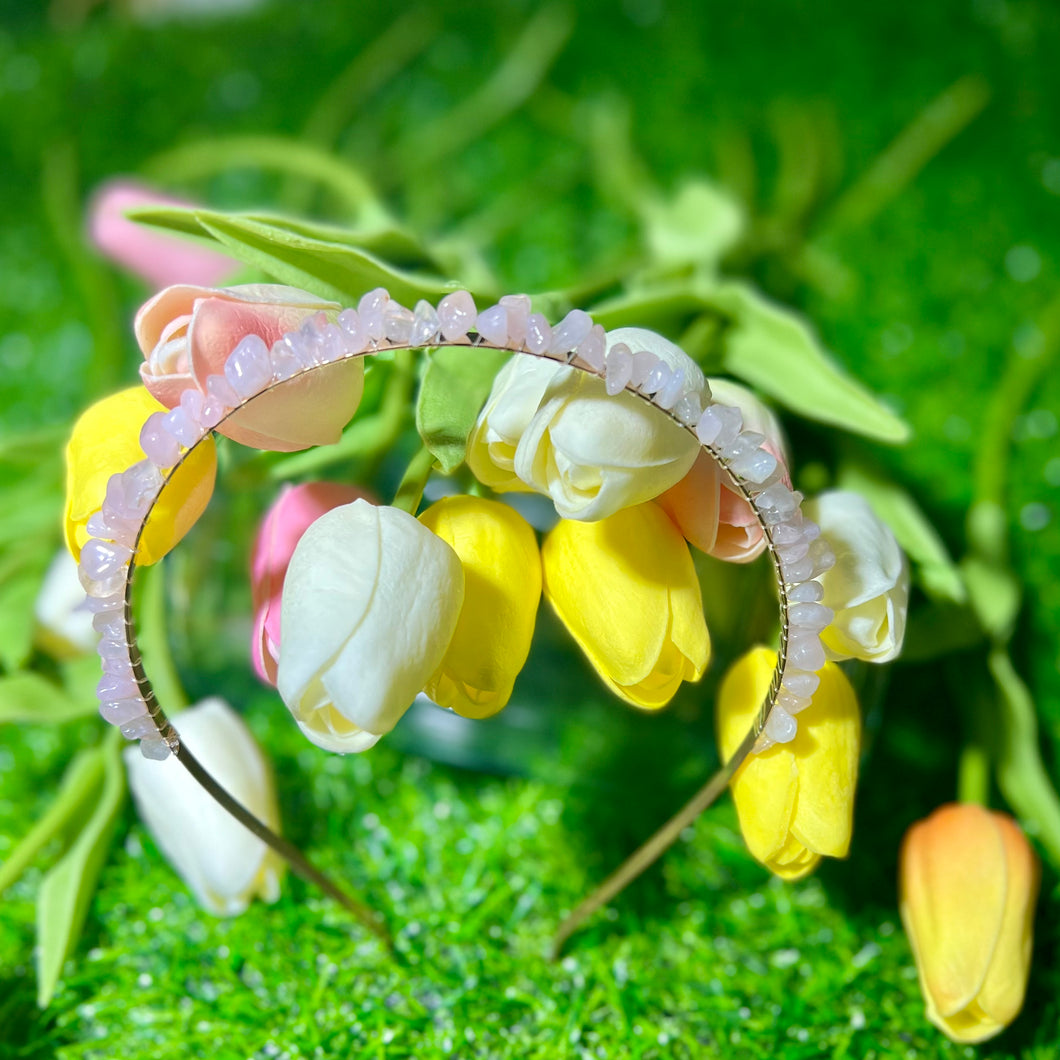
<point>223,863</point>
<point>64,627</point>
<point>370,603</point>
<point>868,588</point>
<point>187,333</point>
<point>160,258</point>
<point>106,440</point>
<point>795,800</point>
<point>502,588</point>
<point>291,514</point>
<point>555,430</point>
<point>707,510</point>
<point>626,588</point>
<point>968,882</point>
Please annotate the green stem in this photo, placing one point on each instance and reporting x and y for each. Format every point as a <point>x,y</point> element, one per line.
<point>918,143</point>
<point>281,154</point>
<point>510,85</point>
<point>154,640</point>
<point>64,210</point>
<point>410,489</point>
<point>973,774</point>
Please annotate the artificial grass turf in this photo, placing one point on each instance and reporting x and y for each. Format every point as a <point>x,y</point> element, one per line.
<point>705,956</point>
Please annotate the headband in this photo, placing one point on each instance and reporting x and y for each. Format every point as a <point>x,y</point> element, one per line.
<point>253,369</point>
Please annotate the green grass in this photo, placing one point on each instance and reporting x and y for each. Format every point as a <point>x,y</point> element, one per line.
<point>704,956</point>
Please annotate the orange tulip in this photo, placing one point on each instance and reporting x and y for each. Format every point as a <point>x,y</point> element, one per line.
<point>969,880</point>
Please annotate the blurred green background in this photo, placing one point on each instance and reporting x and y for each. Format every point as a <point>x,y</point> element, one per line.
<point>900,165</point>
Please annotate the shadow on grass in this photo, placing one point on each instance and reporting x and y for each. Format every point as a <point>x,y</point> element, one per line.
<point>27,1032</point>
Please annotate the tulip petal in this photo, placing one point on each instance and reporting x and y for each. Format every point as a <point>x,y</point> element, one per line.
<point>823,822</point>
<point>969,881</point>
<point>954,874</point>
<point>106,440</point>
<point>223,863</point>
<point>1003,987</point>
<point>868,588</point>
<point>626,588</point>
<point>554,430</point>
<point>291,514</point>
<point>795,800</point>
<point>766,786</point>
<point>186,334</point>
<point>502,589</point>
<point>370,603</point>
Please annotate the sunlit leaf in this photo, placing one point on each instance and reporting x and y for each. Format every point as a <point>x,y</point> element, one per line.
<point>341,268</point>
<point>16,619</point>
<point>454,389</point>
<point>80,784</point>
<point>67,888</point>
<point>936,571</point>
<point>29,698</point>
<point>773,350</point>
<point>1021,774</point>
<point>697,226</point>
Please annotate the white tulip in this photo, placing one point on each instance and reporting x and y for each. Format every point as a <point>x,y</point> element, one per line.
<point>370,603</point>
<point>64,625</point>
<point>223,864</point>
<point>868,588</point>
<point>553,429</point>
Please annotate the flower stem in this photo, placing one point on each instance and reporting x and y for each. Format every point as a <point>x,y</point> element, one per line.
<point>410,489</point>
<point>973,774</point>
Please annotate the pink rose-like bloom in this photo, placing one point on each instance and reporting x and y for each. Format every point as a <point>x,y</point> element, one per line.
<point>707,510</point>
<point>291,514</point>
<point>186,334</point>
<point>158,257</point>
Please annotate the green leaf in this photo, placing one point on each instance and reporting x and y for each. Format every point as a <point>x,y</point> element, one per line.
<point>79,786</point>
<point>1021,774</point>
<point>17,620</point>
<point>29,698</point>
<point>342,267</point>
<point>67,888</point>
<point>937,572</point>
<point>995,594</point>
<point>697,226</point>
<point>666,308</point>
<point>773,350</point>
<point>455,386</point>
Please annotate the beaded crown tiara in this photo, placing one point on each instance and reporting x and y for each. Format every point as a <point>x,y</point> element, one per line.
<point>253,369</point>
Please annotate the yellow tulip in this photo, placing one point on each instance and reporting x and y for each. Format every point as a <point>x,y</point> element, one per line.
<point>795,800</point>
<point>106,440</point>
<point>627,591</point>
<point>968,883</point>
<point>502,588</point>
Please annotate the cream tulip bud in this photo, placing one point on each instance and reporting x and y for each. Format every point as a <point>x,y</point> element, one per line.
<point>370,603</point>
<point>868,588</point>
<point>555,430</point>
<point>64,626</point>
<point>224,864</point>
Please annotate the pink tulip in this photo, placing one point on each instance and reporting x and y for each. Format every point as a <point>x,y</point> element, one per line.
<point>186,334</point>
<point>707,510</point>
<point>158,257</point>
<point>291,514</point>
